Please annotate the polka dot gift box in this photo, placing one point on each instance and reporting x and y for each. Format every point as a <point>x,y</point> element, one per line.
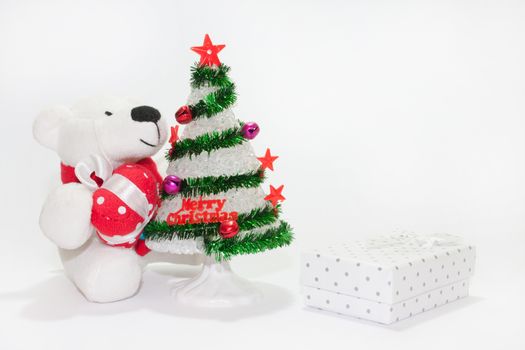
<point>387,279</point>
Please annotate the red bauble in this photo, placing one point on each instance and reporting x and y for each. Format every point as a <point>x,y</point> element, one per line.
<point>229,229</point>
<point>124,204</point>
<point>183,115</point>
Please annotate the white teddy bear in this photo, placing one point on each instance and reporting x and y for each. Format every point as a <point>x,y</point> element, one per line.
<point>92,138</point>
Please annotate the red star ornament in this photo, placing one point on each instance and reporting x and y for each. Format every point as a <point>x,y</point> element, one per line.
<point>208,52</point>
<point>174,134</point>
<point>275,195</point>
<point>267,160</point>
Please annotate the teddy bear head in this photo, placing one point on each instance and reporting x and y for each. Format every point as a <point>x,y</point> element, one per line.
<point>116,129</point>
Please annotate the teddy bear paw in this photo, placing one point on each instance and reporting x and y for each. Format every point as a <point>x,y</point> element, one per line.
<point>66,216</point>
<point>108,274</point>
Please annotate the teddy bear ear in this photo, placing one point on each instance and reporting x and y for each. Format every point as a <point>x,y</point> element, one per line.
<point>46,126</point>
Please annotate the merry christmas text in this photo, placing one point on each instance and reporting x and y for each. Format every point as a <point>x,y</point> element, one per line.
<point>201,211</point>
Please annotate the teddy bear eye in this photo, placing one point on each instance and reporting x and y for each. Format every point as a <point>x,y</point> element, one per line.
<point>108,113</point>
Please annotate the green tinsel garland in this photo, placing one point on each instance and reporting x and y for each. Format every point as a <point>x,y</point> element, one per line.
<point>207,143</point>
<point>224,249</point>
<point>215,102</point>
<point>258,217</point>
<point>208,76</point>
<point>207,185</point>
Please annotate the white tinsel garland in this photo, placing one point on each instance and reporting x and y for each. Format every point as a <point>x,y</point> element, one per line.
<point>225,161</point>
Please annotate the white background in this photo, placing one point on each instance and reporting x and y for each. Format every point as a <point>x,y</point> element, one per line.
<point>387,116</point>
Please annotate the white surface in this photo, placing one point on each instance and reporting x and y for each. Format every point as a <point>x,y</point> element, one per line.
<point>387,116</point>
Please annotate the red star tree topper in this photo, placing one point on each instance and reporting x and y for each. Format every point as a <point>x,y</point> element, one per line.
<point>208,52</point>
<point>275,195</point>
<point>267,160</point>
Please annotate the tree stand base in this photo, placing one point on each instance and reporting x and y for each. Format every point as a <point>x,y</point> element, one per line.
<point>216,285</point>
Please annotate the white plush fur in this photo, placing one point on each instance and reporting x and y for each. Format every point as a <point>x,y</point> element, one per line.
<point>84,129</point>
<point>66,217</point>
<point>102,273</point>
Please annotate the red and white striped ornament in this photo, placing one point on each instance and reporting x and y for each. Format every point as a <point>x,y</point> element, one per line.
<point>124,204</point>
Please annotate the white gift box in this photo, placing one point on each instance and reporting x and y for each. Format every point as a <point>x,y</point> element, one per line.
<point>389,278</point>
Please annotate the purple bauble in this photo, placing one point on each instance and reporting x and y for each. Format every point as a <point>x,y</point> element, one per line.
<point>171,184</point>
<point>250,130</point>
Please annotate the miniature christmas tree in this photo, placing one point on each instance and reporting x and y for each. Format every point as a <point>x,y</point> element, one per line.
<point>213,202</point>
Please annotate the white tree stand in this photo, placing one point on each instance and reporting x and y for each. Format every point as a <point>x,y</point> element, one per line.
<point>216,285</point>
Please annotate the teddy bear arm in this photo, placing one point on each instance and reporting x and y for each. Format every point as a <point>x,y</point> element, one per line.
<point>66,216</point>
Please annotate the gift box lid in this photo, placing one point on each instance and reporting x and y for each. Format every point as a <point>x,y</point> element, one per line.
<point>389,269</point>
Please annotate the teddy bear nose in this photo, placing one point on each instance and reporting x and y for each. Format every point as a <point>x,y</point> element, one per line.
<point>145,114</point>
